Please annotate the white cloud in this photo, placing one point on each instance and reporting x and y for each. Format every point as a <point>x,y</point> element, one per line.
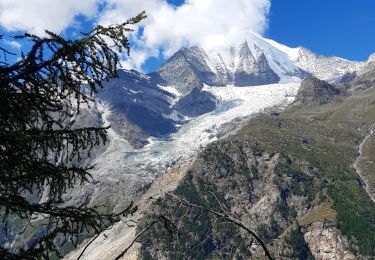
<point>36,15</point>
<point>207,23</point>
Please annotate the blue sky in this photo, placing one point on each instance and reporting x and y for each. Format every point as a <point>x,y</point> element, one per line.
<point>344,28</point>
<point>176,2</point>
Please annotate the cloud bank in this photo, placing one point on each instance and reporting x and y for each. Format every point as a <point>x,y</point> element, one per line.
<point>36,15</point>
<point>207,23</point>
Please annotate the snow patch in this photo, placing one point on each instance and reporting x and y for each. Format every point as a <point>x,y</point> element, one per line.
<point>133,91</point>
<point>175,116</point>
<point>170,89</point>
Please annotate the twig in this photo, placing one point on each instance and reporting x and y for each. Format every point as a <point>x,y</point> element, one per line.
<point>167,225</point>
<point>88,244</point>
<point>221,206</point>
<point>136,237</point>
<point>129,210</point>
<point>228,218</point>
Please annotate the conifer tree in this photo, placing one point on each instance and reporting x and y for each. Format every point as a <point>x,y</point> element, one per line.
<point>40,147</point>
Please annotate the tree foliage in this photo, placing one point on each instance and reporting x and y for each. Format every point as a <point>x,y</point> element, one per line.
<point>40,147</point>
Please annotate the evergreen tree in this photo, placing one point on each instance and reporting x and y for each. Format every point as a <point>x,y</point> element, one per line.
<point>40,147</point>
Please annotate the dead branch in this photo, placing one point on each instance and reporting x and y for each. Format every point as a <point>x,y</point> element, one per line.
<point>167,225</point>
<point>225,217</point>
<point>136,237</point>
<point>88,244</point>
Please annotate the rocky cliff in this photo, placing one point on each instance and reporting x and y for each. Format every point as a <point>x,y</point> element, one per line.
<point>314,90</point>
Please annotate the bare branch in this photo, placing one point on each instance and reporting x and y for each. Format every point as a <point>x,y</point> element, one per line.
<point>88,244</point>
<point>136,237</point>
<point>225,217</point>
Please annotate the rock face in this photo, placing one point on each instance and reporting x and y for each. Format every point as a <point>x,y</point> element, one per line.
<point>314,90</point>
<point>253,70</point>
<point>196,103</point>
<point>326,242</point>
<point>135,97</point>
<point>192,67</point>
<point>348,77</point>
<point>186,70</point>
<point>256,61</point>
<point>260,190</point>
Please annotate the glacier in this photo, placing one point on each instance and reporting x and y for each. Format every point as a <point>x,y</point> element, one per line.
<point>273,72</point>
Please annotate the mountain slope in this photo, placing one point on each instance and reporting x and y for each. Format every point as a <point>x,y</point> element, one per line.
<point>289,177</point>
<point>195,95</point>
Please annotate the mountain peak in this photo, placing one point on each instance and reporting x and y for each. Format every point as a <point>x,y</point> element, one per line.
<point>371,58</point>
<point>244,59</point>
<point>244,46</point>
<point>314,90</point>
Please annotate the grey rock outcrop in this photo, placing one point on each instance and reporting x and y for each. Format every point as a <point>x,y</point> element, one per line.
<point>188,69</point>
<point>326,242</point>
<point>366,76</point>
<point>325,68</point>
<point>348,77</point>
<point>139,101</point>
<point>251,70</point>
<point>196,103</point>
<point>314,90</point>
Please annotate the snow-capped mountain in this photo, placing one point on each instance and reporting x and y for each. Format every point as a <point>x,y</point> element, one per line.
<point>157,104</point>
<point>256,61</point>
<point>196,97</point>
<point>240,65</point>
<point>202,96</point>
<point>197,93</point>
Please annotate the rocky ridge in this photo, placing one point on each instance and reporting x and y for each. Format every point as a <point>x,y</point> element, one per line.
<point>326,68</point>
